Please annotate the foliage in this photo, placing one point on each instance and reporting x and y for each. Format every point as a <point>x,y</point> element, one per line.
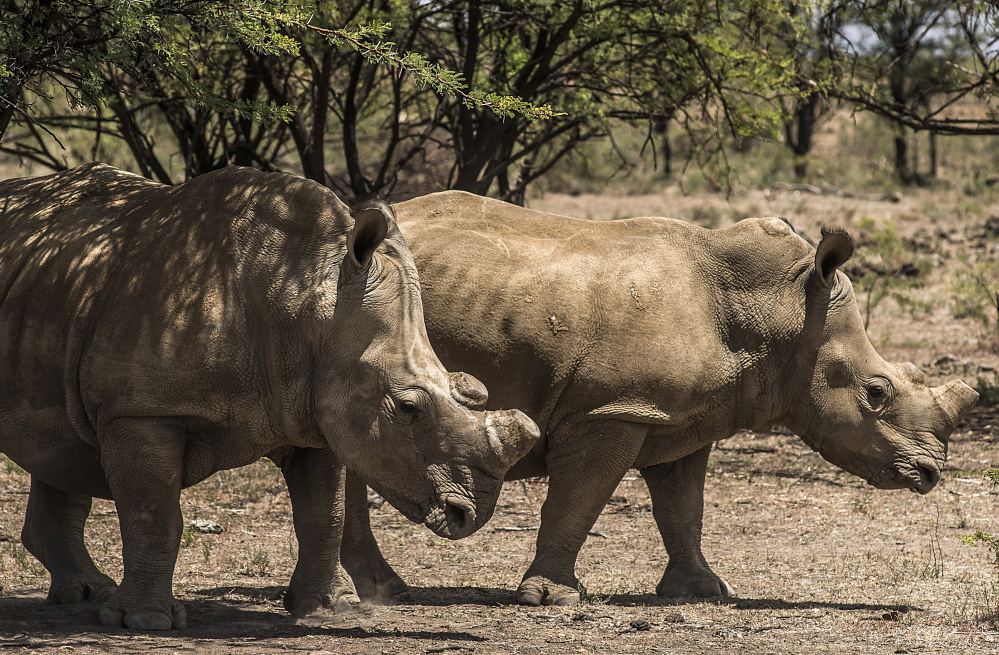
<point>992,474</point>
<point>928,56</point>
<point>811,42</point>
<point>990,540</point>
<point>890,270</point>
<point>976,293</point>
<point>391,96</point>
<point>360,93</point>
<point>180,56</point>
<point>73,46</point>
<point>927,66</point>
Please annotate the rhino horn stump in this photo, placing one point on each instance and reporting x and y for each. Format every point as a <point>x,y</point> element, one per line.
<point>955,399</point>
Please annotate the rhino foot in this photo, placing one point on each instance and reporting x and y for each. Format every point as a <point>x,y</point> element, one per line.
<point>115,614</point>
<point>375,581</point>
<point>302,598</point>
<point>79,588</point>
<point>700,582</point>
<point>301,605</point>
<point>376,589</point>
<point>537,590</point>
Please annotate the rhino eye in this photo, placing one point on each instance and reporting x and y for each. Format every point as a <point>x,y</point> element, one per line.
<point>877,392</point>
<point>408,407</point>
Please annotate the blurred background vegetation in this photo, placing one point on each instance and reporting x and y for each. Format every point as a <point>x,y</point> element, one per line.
<point>398,98</point>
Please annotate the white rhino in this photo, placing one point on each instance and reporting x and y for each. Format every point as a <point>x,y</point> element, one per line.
<point>637,344</point>
<point>151,336</point>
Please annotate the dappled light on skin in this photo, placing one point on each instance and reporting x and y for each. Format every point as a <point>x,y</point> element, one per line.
<point>151,336</point>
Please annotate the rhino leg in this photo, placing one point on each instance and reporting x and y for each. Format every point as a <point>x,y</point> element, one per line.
<point>143,461</point>
<point>373,577</point>
<point>315,483</point>
<point>677,490</point>
<point>53,532</point>
<point>581,480</point>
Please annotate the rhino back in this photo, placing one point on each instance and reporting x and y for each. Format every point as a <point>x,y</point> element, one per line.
<point>122,297</point>
<point>560,316</point>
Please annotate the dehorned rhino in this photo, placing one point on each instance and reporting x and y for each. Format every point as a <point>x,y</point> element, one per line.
<point>151,336</point>
<point>637,344</point>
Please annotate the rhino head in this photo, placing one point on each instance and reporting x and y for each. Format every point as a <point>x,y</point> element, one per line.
<point>872,418</point>
<point>414,431</point>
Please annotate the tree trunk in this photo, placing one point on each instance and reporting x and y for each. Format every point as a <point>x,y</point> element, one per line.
<point>933,154</point>
<point>902,168</point>
<point>799,134</point>
<point>661,127</point>
<point>9,100</point>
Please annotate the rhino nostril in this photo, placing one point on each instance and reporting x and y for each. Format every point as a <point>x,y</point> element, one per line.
<point>929,476</point>
<point>460,519</point>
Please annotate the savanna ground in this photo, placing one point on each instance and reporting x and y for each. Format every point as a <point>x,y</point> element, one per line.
<point>820,561</point>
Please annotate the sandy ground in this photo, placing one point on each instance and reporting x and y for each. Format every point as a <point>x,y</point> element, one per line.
<point>820,561</point>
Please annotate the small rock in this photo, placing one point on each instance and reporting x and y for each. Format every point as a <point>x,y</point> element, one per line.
<point>207,527</point>
<point>582,616</point>
<point>950,364</point>
<point>673,617</point>
<point>641,624</point>
<point>946,360</point>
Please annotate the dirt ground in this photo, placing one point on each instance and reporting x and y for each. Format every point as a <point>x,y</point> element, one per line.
<point>820,562</point>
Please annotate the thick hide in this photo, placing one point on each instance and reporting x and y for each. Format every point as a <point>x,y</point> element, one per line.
<point>637,344</point>
<point>151,336</point>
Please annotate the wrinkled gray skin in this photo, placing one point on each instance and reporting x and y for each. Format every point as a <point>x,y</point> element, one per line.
<point>639,343</point>
<point>151,336</point>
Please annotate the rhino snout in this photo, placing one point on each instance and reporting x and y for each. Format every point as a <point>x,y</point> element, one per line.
<point>511,435</point>
<point>955,399</point>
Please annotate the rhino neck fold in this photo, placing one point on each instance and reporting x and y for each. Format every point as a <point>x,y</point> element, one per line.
<point>752,332</point>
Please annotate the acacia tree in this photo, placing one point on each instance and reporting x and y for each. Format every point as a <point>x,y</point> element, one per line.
<point>75,49</point>
<point>912,59</point>
<point>814,42</point>
<point>632,60</point>
<point>196,80</point>
<point>127,69</point>
<point>928,57</point>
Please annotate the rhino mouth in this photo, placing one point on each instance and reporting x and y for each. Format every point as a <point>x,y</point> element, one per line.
<point>919,476</point>
<point>454,517</point>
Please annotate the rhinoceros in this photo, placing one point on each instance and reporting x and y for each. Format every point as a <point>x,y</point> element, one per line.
<point>637,344</point>
<point>152,335</point>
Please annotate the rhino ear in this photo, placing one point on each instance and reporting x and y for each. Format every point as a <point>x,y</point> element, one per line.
<point>835,248</point>
<point>371,221</point>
